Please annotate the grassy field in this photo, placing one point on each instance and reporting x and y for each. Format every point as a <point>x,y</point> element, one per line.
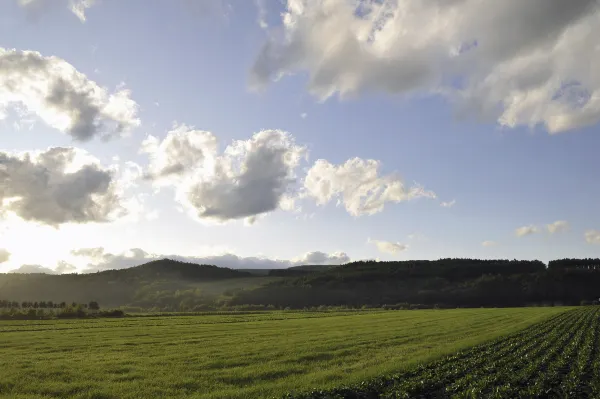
<point>556,358</point>
<point>237,356</point>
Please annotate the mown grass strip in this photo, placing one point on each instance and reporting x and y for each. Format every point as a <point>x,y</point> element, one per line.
<point>236,356</point>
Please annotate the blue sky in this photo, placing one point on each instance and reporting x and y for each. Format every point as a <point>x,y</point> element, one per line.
<point>195,64</point>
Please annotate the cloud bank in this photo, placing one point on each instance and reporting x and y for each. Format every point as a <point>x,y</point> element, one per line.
<point>32,269</point>
<point>99,259</point>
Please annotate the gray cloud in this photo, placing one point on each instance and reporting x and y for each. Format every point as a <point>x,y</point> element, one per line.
<point>322,258</point>
<point>4,255</point>
<point>64,98</point>
<point>250,178</point>
<point>519,62</point>
<point>63,267</point>
<point>59,185</point>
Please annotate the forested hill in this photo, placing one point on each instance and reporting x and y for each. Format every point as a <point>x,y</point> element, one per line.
<point>171,285</point>
<point>445,282</point>
<point>167,268</point>
<point>157,283</point>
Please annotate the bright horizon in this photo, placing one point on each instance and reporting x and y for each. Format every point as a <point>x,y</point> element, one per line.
<point>253,134</point>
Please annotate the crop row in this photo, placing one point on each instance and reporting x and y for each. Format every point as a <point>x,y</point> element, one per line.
<point>559,357</point>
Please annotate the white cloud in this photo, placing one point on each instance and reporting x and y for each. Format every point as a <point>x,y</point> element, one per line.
<point>389,246</point>
<point>448,204</point>
<point>558,226</point>
<point>59,185</point>
<point>183,150</point>
<point>519,62</point>
<point>303,115</point>
<point>417,237</point>
<point>64,98</point>
<point>321,258</point>
<point>592,236</point>
<point>98,259</point>
<point>64,268</point>
<point>4,255</point>
<point>261,8</point>
<point>250,178</point>
<point>526,230</point>
<point>77,7</point>
<point>358,186</point>
<point>489,243</point>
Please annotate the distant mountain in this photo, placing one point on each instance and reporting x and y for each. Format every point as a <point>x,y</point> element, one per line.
<point>316,268</point>
<point>156,283</point>
<point>303,270</point>
<point>168,268</point>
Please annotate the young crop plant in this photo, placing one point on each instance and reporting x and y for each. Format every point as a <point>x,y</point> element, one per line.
<point>558,358</point>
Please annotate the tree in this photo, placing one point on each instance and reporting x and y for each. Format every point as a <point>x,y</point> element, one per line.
<point>93,305</point>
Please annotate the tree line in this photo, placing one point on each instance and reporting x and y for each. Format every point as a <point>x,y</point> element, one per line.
<point>4,304</point>
<point>568,263</point>
<point>441,283</point>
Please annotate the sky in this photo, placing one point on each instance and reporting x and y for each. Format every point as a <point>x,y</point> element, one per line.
<point>263,134</point>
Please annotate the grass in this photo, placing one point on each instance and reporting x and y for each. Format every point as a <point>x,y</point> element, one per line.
<point>234,356</point>
<point>556,358</point>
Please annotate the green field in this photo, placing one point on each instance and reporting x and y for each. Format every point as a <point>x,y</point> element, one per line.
<point>235,356</point>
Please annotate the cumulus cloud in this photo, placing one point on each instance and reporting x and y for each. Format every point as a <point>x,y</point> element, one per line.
<point>183,150</point>
<point>59,185</point>
<point>358,186</point>
<point>489,243</point>
<point>526,230</point>
<point>62,97</point>
<point>31,269</point>
<point>99,259</point>
<point>519,62</point>
<point>448,204</point>
<point>558,226</point>
<point>322,258</point>
<point>77,7</point>
<point>389,246</point>
<point>592,236</point>
<point>249,178</point>
<point>63,267</point>
<point>4,255</point>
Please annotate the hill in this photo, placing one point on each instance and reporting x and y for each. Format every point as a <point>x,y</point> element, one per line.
<point>173,269</point>
<point>161,283</point>
<point>300,270</point>
<point>170,285</point>
<point>445,283</point>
